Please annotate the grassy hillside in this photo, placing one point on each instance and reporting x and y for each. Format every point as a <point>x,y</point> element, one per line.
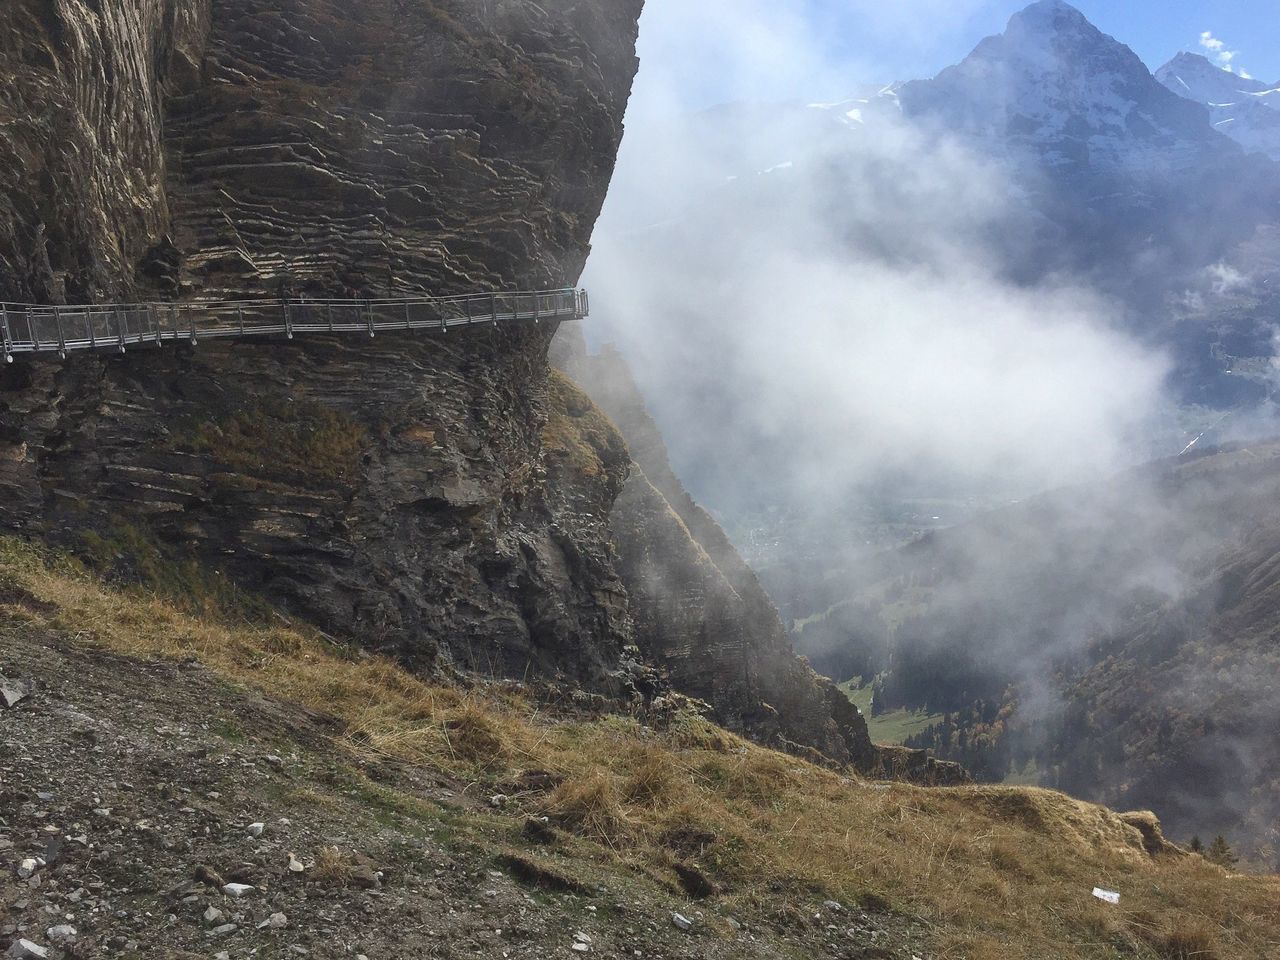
<point>657,810</point>
<point>893,726</point>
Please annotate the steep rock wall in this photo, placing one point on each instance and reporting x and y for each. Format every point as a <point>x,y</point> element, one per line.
<point>435,145</point>
<point>234,146</point>
<point>391,491</point>
<point>82,152</point>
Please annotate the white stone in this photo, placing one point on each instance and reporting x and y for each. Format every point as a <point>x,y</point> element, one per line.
<point>27,868</point>
<point>63,931</point>
<point>212,915</point>
<point>238,890</point>
<point>277,921</point>
<point>26,950</point>
<point>681,921</point>
<point>13,693</point>
<point>255,829</point>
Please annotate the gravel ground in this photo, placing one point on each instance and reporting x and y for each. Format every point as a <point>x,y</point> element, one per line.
<point>135,797</point>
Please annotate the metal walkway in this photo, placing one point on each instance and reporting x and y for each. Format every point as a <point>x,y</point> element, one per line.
<point>40,330</point>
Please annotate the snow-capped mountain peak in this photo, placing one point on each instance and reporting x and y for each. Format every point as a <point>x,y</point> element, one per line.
<point>1244,109</point>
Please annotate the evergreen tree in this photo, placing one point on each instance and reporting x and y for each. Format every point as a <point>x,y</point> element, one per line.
<point>877,696</point>
<point>1220,852</point>
<point>1196,845</point>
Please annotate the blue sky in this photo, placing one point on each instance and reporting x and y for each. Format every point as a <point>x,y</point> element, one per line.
<point>711,51</point>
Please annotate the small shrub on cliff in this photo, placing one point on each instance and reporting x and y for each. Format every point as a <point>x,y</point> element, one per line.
<point>333,868</point>
<point>653,781</point>
<point>474,736</point>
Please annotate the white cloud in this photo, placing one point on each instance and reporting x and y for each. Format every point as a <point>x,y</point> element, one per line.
<point>823,327</point>
<point>1219,53</point>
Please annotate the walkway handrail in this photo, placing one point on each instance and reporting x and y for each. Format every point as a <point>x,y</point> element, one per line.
<point>31,329</point>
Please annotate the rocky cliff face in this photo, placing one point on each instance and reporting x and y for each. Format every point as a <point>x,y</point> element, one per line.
<point>233,146</point>
<point>82,143</point>
<point>392,491</point>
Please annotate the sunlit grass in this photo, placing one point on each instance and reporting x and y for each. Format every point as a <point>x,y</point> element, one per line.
<point>999,872</point>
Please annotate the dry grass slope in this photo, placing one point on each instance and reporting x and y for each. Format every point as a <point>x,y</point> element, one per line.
<point>577,431</point>
<point>996,872</point>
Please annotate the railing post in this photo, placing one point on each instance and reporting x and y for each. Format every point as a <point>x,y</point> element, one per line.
<point>444,318</point>
<point>240,318</point>
<point>407,323</point>
<point>288,320</point>
<point>368,306</point>
<point>329,313</point>
<point>493,306</point>
<point>8,337</point>
<point>62,339</point>
<point>32,329</point>
<point>536,315</point>
<point>88,322</point>
<point>191,322</point>
<point>120,329</point>
<point>470,312</point>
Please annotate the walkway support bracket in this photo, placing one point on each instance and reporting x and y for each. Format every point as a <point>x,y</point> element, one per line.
<point>8,337</point>
<point>62,337</point>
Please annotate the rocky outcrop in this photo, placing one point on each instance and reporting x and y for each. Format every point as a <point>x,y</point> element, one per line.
<point>82,145</point>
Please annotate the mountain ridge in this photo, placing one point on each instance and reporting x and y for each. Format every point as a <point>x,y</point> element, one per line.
<point>1246,110</point>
